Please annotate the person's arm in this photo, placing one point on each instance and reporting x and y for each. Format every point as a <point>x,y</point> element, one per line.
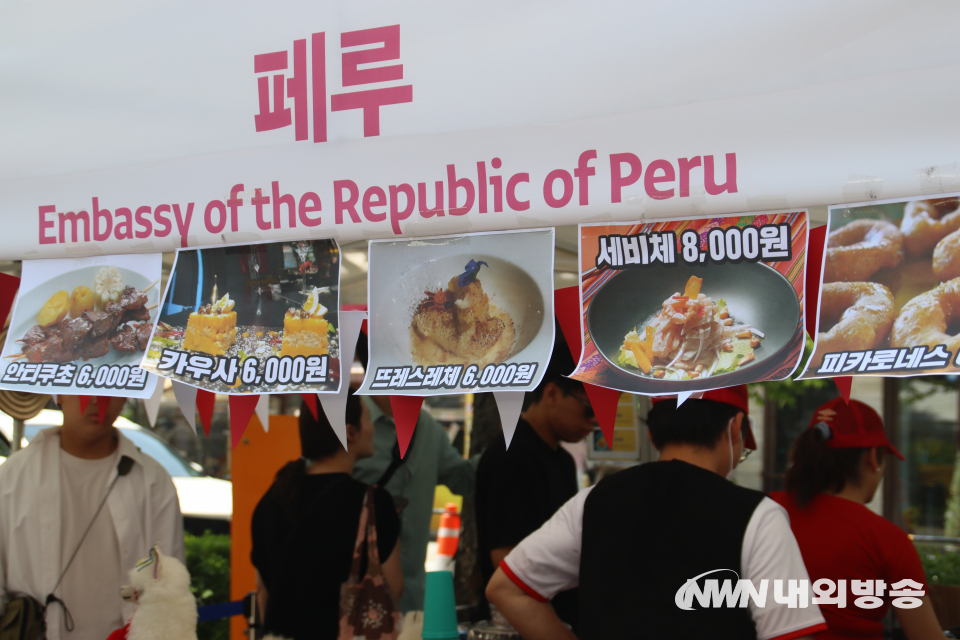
<point>534,619</point>
<point>167,519</point>
<point>497,555</point>
<point>770,552</point>
<point>393,572</point>
<point>459,475</point>
<point>262,596</point>
<point>920,623</point>
<point>545,563</point>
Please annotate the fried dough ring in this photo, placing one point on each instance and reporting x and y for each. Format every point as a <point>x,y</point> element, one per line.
<point>926,222</point>
<point>924,320</point>
<point>946,257</point>
<point>867,314</point>
<point>858,250</point>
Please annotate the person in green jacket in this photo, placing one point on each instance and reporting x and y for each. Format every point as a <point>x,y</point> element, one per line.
<point>430,461</point>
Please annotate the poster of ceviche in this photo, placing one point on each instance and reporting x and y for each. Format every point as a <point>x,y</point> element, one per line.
<point>689,305</point>
<point>257,318</point>
<point>890,292</point>
<point>81,326</point>
<point>452,314</point>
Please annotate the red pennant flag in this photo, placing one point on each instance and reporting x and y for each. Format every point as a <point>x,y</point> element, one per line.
<point>103,403</point>
<point>311,400</point>
<point>84,401</point>
<point>815,246</point>
<point>241,411</point>
<point>566,306</point>
<point>8,293</point>
<point>406,412</point>
<point>205,401</point>
<point>843,384</point>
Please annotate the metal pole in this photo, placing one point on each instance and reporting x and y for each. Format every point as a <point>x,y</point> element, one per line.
<point>17,435</point>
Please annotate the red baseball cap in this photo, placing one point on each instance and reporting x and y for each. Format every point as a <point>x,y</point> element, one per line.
<point>851,425</point>
<point>736,396</point>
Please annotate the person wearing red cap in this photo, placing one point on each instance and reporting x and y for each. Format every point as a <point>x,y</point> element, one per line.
<point>836,466</point>
<point>643,541</point>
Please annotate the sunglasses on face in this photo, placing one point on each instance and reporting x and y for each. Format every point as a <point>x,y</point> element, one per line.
<point>588,414</point>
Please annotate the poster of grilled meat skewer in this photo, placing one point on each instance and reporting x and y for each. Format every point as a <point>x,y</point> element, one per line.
<point>81,326</point>
<point>253,318</point>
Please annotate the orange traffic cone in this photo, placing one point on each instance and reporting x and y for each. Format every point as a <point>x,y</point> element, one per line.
<point>448,537</point>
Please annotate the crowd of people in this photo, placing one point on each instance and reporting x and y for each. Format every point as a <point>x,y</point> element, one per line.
<point>81,505</point>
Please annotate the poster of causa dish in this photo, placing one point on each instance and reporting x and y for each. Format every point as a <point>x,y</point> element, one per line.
<point>890,296</point>
<point>258,318</point>
<point>80,326</point>
<point>689,305</point>
<point>458,313</point>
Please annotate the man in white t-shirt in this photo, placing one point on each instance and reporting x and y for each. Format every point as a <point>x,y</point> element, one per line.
<point>49,495</point>
<point>639,542</point>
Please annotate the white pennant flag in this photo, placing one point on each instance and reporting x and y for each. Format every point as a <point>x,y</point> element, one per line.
<point>684,395</point>
<point>187,399</point>
<point>509,404</point>
<point>263,411</point>
<point>152,404</point>
<point>54,396</point>
<point>335,405</point>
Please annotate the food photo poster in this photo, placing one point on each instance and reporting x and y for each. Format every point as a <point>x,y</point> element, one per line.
<point>890,292</point>
<point>690,305</point>
<point>253,318</point>
<point>80,326</point>
<point>453,314</point>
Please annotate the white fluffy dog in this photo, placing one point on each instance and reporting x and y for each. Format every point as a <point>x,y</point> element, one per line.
<point>160,585</point>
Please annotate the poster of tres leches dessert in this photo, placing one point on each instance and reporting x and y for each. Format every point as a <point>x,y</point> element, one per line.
<point>257,318</point>
<point>689,305</point>
<point>459,313</point>
<point>81,326</point>
<point>890,294</point>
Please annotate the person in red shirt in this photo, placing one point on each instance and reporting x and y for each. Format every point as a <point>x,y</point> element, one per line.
<point>837,464</point>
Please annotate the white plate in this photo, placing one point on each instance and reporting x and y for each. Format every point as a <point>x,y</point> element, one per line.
<point>29,304</point>
<point>396,293</point>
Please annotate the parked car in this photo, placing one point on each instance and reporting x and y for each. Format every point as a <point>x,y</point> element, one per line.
<point>206,503</point>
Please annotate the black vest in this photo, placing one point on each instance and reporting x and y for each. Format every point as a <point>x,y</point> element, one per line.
<point>646,531</point>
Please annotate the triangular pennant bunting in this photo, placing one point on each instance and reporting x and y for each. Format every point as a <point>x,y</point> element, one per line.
<point>310,399</point>
<point>844,384</point>
<point>406,412</point>
<point>335,405</point>
<point>682,397</point>
<point>604,402</point>
<point>566,306</point>
<point>509,404</point>
<point>84,401</point>
<point>815,247</point>
<point>263,412</point>
<point>241,411</point>
<point>152,404</point>
<point>205,402</point>
<point>103,405</point>
<point>187,400</point>
<point>8,293</point>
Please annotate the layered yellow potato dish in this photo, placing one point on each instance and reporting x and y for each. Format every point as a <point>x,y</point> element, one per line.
<point>212,328</point>
<point>305,330</point>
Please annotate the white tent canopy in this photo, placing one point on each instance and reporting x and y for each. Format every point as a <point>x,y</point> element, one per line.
<point>132,127</point>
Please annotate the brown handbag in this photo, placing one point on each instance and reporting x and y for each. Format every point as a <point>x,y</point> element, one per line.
<point>368,610</point>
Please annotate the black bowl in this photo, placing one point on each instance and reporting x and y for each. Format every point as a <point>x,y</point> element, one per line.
<point>756,294</point>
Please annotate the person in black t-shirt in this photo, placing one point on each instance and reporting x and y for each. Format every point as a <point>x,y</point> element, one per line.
<point>520,488</point>
<point>305,528</point>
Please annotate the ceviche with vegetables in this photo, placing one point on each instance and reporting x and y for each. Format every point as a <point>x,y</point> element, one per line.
<point>691,336</point>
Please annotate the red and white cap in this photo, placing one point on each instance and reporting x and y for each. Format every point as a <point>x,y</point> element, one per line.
<point>851,425</point>
<point>736,396</point>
